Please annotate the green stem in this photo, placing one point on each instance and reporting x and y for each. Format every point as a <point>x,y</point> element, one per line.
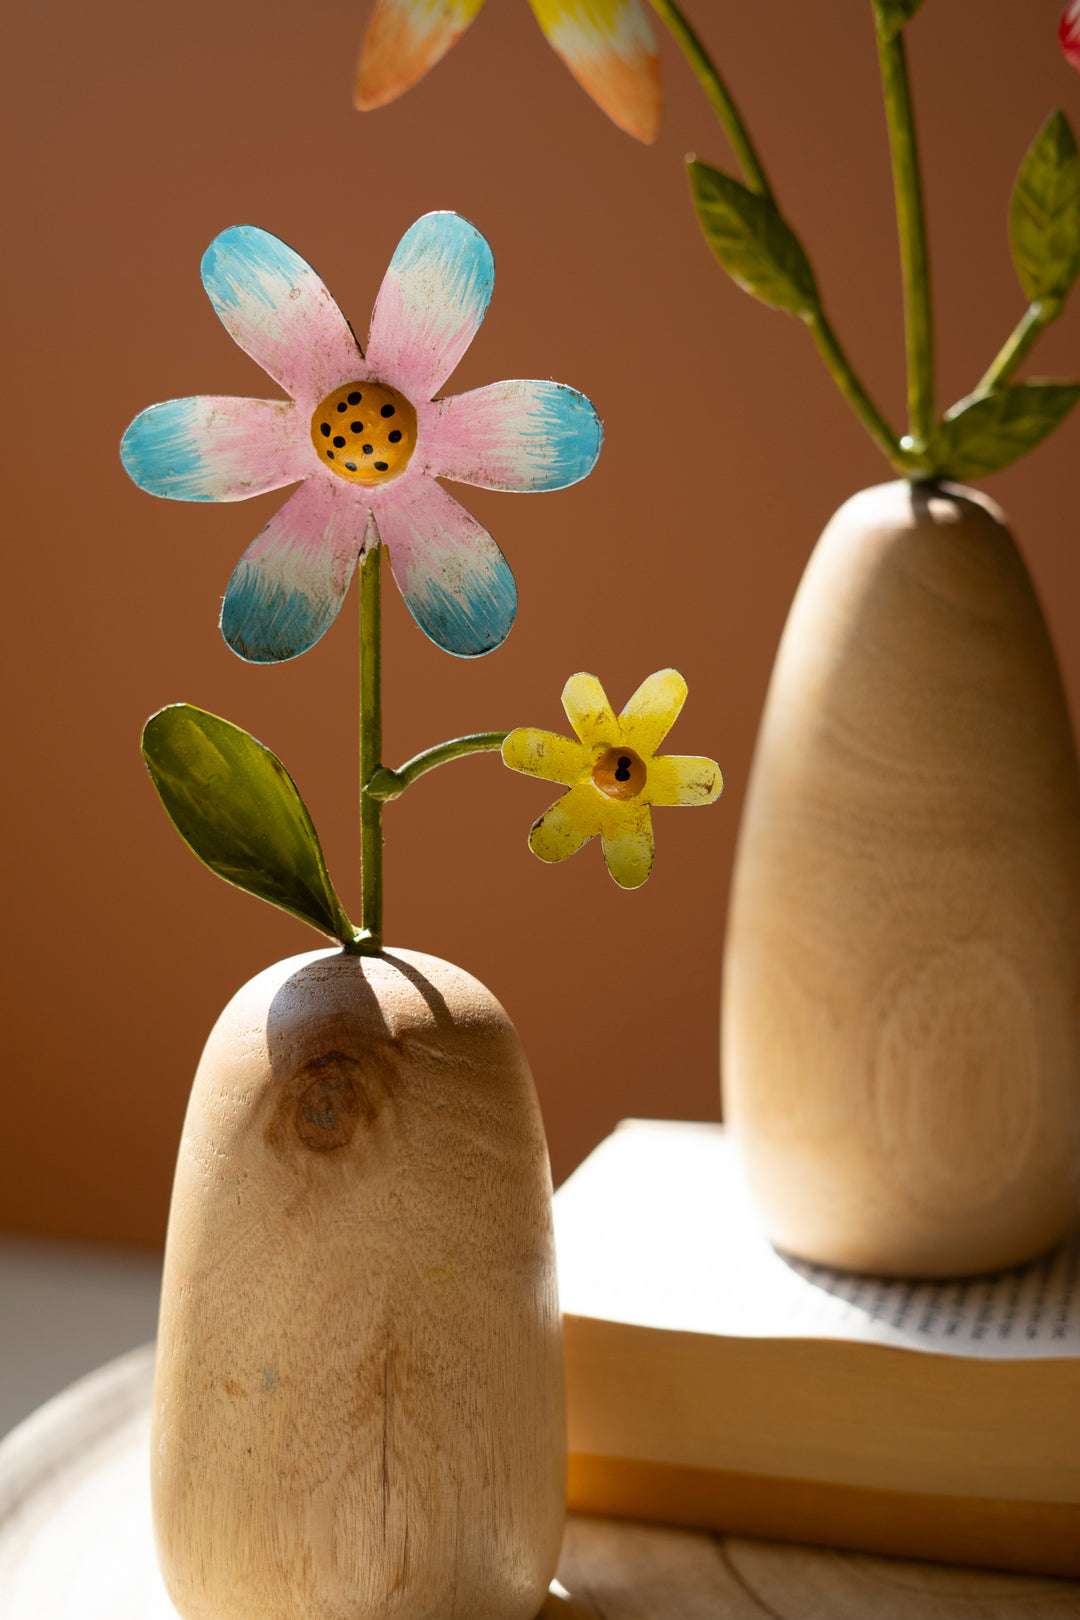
<point>853,391</point>
<point>911,227</point>
<point>371,837</point>
<point>718,93</point>
<point>1021,339</point>
<point>388,784</point>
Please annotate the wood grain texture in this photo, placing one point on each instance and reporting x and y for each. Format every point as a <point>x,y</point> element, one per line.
<point>76,1544</point>
<point>358,1407</point>
<point>901,1016</point>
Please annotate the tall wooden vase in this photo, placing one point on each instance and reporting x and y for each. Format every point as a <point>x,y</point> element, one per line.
<point>358,1406</point>
<point>901,1008</point>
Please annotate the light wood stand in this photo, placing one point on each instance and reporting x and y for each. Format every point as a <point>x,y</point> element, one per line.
<point>76,1543</point>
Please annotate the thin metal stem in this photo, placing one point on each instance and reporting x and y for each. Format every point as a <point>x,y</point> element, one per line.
<point>371,837</point>
<point>387,784</point>
<point>717,91</point>
<point>911,228</point>
<point>1020,341</point>
<point>853,391</point>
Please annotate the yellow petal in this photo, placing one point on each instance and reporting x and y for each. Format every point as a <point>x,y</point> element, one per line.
<point>652,711</point>
<point>610,49</point>
<point>627,836</point>
<point>589,712</point>
<point>404,39</point>
<point>570,822</point>
<point>683,779</point>
<point>545,754</point>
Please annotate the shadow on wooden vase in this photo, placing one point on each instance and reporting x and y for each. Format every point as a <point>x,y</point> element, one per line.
<point>901,1005</point>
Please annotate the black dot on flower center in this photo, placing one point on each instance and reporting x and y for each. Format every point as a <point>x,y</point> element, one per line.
<point>622,774</point>
<point>387,410</point>
<point>356,427</point>
<point>395,436</point>
<point>324,429</point>
<point>382,466</point>
<point>351,466</point>
<point>355,398</point>
<point>368,449</point>
<point>342,405</point>
<point>339,442</point>
<point>330,453</point>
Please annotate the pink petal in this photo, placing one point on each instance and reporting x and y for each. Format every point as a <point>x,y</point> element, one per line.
<point>289,585</point>
<point>456,582</point>
<point>1069,33</point>
<point>515,436</point>
<point>276,308</point>
<point>403,41</point>
<point>430,305</point>
<point>214,448</point>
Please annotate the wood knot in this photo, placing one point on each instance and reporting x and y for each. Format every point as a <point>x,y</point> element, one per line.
<point>329,1109</point>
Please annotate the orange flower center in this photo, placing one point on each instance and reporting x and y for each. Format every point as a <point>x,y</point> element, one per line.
<point>365,432</point>
<point>620,773</point>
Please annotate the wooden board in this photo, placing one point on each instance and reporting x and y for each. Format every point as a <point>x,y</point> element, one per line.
<point>76,1544</point>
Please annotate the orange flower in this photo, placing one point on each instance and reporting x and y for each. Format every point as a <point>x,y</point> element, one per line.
<point>608,45</point>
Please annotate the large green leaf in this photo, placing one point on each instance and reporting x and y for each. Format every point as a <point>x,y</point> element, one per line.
<point>1044,218</point>
<point>986,432</point>
<point>756,247</point>
<point>891,15</point>
<point>238,808</point>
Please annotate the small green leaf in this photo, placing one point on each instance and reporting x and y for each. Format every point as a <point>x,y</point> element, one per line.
<point>891,15</point>
<point>234,803</point>
<point>1044,217</point>
<point>985,432</point>
<point>756,247</point>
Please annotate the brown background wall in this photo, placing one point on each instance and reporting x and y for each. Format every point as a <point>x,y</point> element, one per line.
<point>140,132</point>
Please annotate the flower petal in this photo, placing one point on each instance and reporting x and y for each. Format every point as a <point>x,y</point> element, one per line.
<point>276,308</point>
<point>289,585</point>
<point>456,582</point>
<point>547,755</point>
<point>216,449</point>
<point>1069,33</point>
<point>430,305</point>
<point>627,837</point>
<point>683,779</point>
<point>652,711</point>
<point>403,41</point>
<point>610,49</point>
<point>589,712</point>
<point>515,436</point>
<point>570,822</point>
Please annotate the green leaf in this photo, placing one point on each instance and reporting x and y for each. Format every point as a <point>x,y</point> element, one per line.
<point>234,803</point>
<point>756,247</point>
<point>891,15</point>
<point>985,432</point>
<point>1044,217</point>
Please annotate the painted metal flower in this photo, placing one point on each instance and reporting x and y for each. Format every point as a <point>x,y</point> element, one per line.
<point>366,439</point>
<point>608,45</point>
<point>1069,33</point>
<point>613,773</point>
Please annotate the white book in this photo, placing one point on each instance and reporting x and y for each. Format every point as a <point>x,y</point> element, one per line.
<point>713,1381</point>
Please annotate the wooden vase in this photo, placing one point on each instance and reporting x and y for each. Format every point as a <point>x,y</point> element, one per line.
<point>358,1404</point>
<point>901,1009</point>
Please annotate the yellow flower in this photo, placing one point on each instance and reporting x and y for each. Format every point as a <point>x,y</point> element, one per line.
<point>608,45</point>
<point>613,773</point>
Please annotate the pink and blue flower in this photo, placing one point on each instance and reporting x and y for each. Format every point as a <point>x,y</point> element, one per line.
<point>366,439</point>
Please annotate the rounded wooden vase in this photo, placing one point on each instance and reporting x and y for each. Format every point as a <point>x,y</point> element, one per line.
<point>358,1404</point>
<point>901,1011</point>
